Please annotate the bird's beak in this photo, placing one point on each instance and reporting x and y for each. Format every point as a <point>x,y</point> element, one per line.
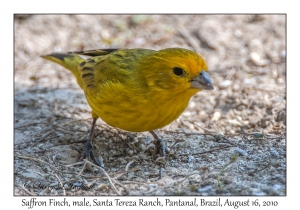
<point>202,81</point>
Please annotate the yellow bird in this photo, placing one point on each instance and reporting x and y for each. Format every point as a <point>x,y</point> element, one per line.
<point>136,89</point>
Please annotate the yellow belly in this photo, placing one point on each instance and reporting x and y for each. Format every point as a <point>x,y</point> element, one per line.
<point>139,116</point>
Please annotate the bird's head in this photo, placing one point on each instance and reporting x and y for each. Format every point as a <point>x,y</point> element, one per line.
<point>177,70</point>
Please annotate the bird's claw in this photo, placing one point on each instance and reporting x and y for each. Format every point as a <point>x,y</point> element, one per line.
<point>163,148</point>
<point>89,154</point>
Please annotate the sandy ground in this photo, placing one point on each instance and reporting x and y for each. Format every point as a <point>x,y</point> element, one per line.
<point>230,141</point>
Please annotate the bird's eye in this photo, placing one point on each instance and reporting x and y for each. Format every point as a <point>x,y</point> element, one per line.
<point>178,71</point>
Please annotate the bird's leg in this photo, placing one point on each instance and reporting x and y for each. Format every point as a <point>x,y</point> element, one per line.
<point>160,143</point>
<point>89,148</point>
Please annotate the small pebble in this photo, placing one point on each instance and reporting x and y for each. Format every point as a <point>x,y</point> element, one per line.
<point>260,193</point>
<point>274,152</point>
<point>76,184</point>
<point>100,159</point>
<point>277,186</point>
<point>224,84</point>
<point>191,159</point>
<point>274,162</point>
<point>153,185</point>
<point>216,116</point>
<point>241,152</point>
<point>83,129</point>
<point>204,189</point>
<point>106,134</point>
<point>257,135</point>
<point>249,81</point>
<point>238,33</point>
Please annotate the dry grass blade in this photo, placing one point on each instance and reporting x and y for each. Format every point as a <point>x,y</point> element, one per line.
<point>25,190</point>
<point>108,177</point>
<point>38,160</point>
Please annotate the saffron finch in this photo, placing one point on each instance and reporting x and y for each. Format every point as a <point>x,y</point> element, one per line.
<point>136,89</point>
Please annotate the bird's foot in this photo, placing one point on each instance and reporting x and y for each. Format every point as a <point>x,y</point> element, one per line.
<point>89,154</point>
<point>161,147</point>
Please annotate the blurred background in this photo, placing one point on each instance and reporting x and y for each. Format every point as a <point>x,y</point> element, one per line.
<point>246,56</point>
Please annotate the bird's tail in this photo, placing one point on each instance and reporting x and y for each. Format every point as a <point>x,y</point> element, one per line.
<point>69,61</point>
